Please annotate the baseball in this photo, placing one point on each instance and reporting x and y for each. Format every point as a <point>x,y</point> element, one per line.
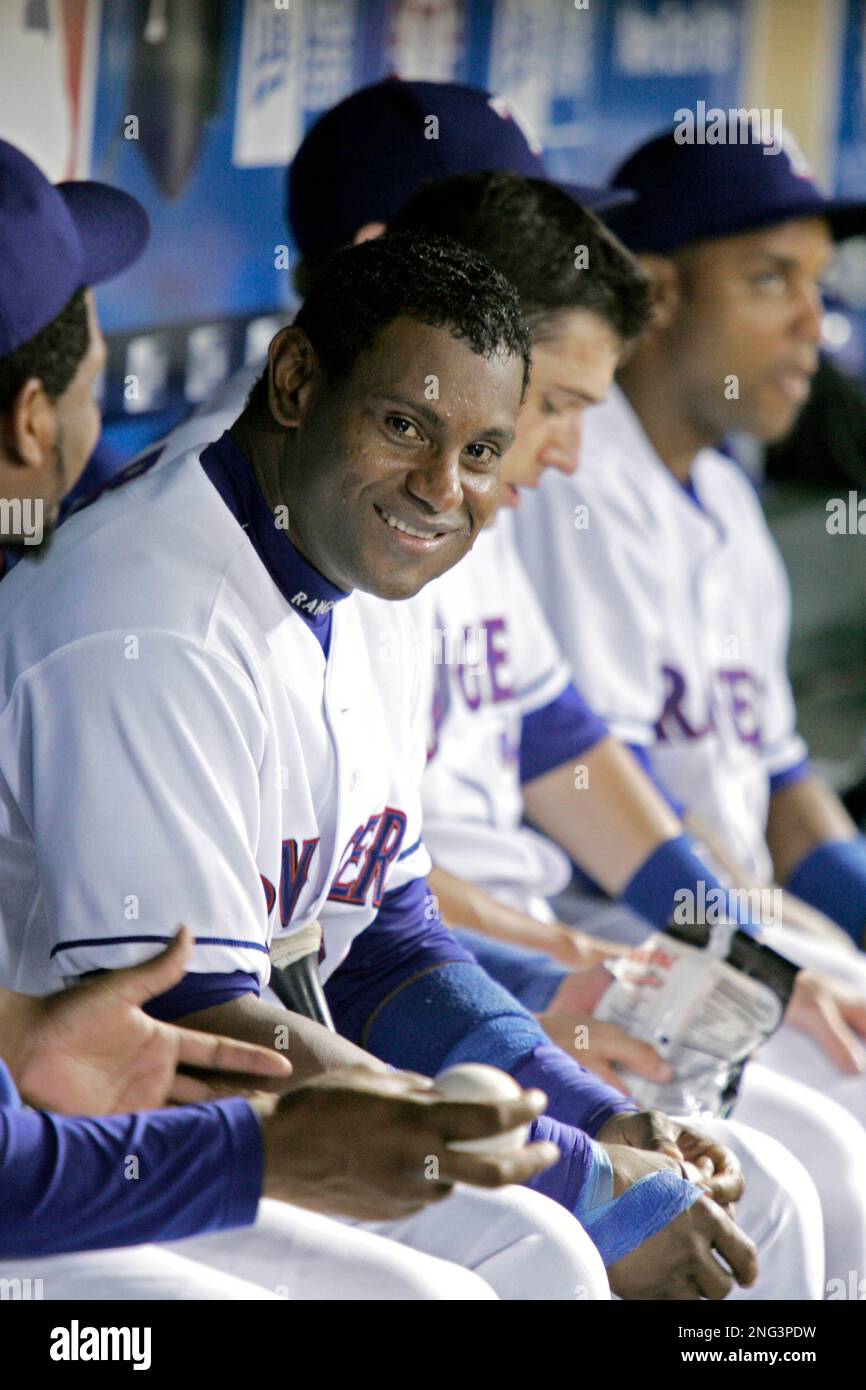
<point>475,1081</point>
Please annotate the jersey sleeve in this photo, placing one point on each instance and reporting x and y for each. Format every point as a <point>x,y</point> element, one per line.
<point>413,860</point>
<point>597,586</point>
<point>144,813</point>
<point>540,670</point>
<point>558,733</point>
<point>785,752</point>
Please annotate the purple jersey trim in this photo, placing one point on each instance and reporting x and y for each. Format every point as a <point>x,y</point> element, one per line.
<point>310,594</point>
<point>557,733</point>
<point>790,775</point>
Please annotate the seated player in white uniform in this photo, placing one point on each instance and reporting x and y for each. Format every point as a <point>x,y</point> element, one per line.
<point>357,208</point>
<point>508,727</point>
<point>68,1187</point>
<point>677,566</point>
<point>655,567</point>
<point>264,751</point>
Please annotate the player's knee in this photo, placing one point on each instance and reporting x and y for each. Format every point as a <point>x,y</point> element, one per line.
<point>434,1280</point>
<point>560,1261</point>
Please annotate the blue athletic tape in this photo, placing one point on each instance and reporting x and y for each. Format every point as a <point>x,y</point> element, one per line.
<point>832,878</point>
<point>618,1225</point>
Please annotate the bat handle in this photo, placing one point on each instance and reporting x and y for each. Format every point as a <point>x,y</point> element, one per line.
<point>299,988</point>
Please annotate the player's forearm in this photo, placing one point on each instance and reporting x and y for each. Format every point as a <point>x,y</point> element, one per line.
<point>795,913</point>
<point>310,1048</point>
<point>16,1014</point>
<point>803,816</point>
<point>81,1184</point>
<point>463,904</point>
<point>609,820</point>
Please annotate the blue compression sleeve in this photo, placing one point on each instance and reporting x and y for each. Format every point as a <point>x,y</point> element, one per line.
<point>417,999</point>
<point>558,733</point>
<point>69,1184</point>
<point>797,772</point>
<point>531,976</point>
<point>832,878</point>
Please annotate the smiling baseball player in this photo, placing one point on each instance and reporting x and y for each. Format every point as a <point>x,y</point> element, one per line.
<point>330,146</point>
<point>66,1181</point>
<point>260,741</point>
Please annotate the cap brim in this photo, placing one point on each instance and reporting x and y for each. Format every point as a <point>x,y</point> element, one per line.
<point>597,199</point>
<point>113,228</point>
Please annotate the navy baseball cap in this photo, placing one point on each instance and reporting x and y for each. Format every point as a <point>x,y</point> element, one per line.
<point>695,192</point>
<point>365,157</point>
<point>56,239</point>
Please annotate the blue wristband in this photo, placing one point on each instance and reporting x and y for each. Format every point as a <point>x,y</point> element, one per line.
<point>832,878</point>
<point>655,890</point>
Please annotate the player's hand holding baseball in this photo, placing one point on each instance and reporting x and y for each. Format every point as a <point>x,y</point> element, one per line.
<point>374,1146</point>
<point>91,1050</point>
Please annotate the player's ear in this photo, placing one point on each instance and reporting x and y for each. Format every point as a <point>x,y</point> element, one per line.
<point>291,369</point>
<point>664,288</point>
<point>369,232</point>
<point>29,427</point>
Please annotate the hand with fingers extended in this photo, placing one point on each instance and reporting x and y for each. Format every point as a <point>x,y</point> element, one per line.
<point>376,1146</point>
<point>91,1050</point>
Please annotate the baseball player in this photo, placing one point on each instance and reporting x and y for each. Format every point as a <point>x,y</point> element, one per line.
<point>395,107</point>
<point>67,1183</point>
<point>271,752</point>
<point>509,728</point>
<point>678,627</point>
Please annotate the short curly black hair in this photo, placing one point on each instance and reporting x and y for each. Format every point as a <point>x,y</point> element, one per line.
<point>430,279</point>
<point>53,354</point>
<point>557,254</point>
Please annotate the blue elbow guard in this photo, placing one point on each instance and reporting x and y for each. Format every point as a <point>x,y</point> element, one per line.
<point>530,976</point>
<point>455,1013</point>
<point>452,1013</point>
<point>618,1225</point>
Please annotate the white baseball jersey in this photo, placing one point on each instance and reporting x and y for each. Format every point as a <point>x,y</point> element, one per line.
<point>175,745</point>
<point>493,660</point>
<point>672,606</point>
